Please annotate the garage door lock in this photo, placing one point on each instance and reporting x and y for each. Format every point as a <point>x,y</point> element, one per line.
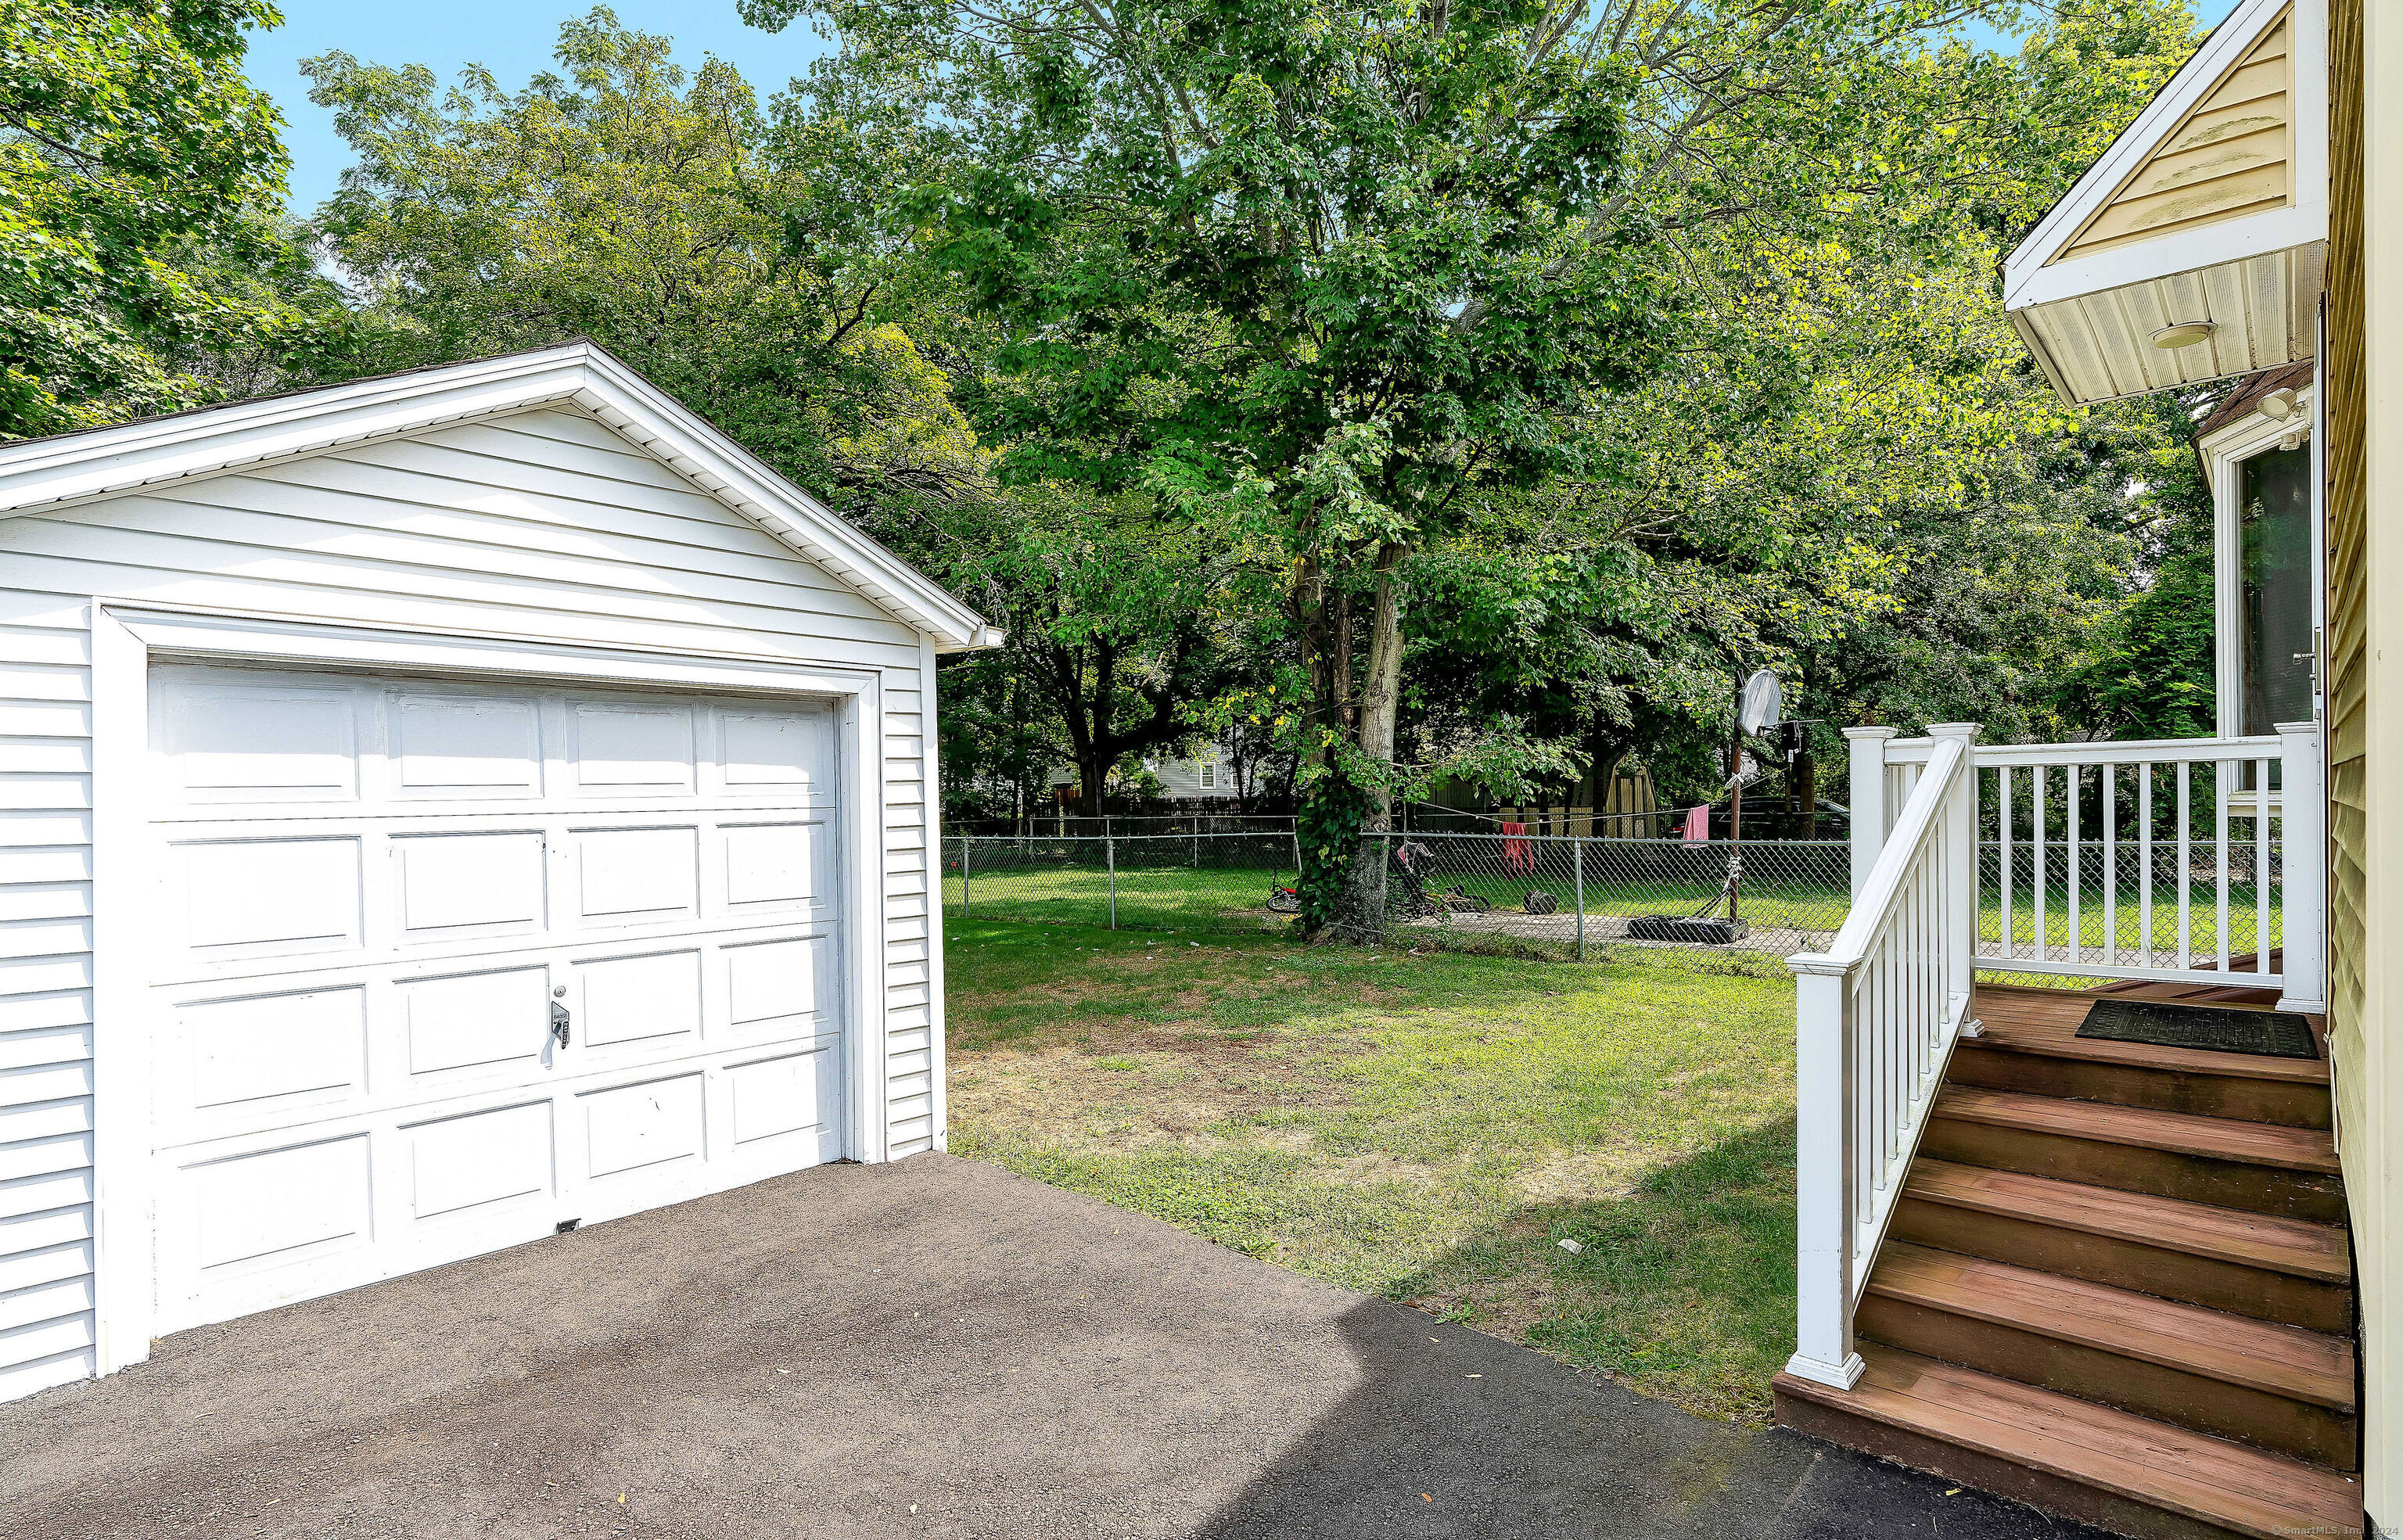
<point>558,1023</point>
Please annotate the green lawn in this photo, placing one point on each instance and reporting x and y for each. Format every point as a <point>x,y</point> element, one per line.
<point>1423,1128</point>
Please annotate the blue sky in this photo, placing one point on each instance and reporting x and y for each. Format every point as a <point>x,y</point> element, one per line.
<point>514,39</point>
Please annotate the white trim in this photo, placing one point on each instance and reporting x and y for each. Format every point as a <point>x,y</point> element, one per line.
<point>46,473</point>
<point>938,1105</point>
<point>2193,251</point>
<point>128,638</point>
<point>2223,453</point>
<point>261,640</point>
<point>2027,279</point>
<point>124,1255</point>
<point>859,796</point>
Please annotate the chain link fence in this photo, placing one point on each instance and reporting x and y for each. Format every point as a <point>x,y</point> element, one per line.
<point>2122,906</point>
<point>1789,895</point>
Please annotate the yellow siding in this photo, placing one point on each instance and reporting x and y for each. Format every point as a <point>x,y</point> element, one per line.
<point>2232,155</point>
<point>2348,607</point>
<point>2364,455</point>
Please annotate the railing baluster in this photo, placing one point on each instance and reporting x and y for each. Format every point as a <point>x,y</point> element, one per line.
<point>2185,863</point>
<point>1918,951</point>
<point>2002,801</point>
<point>2035,814</point>
<point>2219,844</point>
<point>2077,866</point>
<point>2262,912</point>
<point>2145,859</point>
<point>2110,864</point>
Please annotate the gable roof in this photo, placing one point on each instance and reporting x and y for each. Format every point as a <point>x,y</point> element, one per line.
<point>2212,206</point>
<point>42,473</point>
<point>2229,159</point>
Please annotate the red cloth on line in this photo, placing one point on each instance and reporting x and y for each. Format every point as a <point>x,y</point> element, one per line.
<point>1698,826</point>
<point>1518,852</point>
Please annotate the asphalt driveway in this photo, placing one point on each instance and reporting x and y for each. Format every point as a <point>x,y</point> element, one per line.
<point>929,1349</point>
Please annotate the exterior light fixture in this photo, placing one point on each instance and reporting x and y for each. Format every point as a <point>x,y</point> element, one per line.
<point>2183,334</point>
<point>2279,403</point>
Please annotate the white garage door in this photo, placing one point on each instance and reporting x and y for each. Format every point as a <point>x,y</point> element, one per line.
<point>442,966</point>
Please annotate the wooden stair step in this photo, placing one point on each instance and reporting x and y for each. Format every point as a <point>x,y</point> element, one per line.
<point>2308,1366</point>
<point>2173,1133</point>
<point>2030,1043</point>
<point>2115,1468</point>
<point>2264,1167</point>
<point>2280,1387</point>
<point>2290,1270</point>
<point>2292,1247</point>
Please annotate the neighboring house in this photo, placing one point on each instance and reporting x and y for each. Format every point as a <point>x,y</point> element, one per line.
<point>441,809</point>
<point>1207,775</point>
<point>2063,1256</point>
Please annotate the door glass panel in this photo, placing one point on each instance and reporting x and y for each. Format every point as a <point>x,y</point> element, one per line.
<point>2275,643</point>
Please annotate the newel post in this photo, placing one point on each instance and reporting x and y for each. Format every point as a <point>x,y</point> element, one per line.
<point>2302,816</point>
<point>1824,1163</point>
<point>1866,797</point>
<point>1958,832</point>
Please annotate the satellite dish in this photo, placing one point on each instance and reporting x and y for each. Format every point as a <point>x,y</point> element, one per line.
<point>1763,699</point>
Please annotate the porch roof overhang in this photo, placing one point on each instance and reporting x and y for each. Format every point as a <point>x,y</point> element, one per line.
<point>2211,208</point>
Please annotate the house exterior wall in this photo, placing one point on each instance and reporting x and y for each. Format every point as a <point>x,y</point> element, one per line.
<point>2364,457</point>
<point>1181,779</point>
<point>542,526</point>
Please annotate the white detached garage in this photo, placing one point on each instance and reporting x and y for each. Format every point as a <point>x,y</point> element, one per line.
<point>435,811</point>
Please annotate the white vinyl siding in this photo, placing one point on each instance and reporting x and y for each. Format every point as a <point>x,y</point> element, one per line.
<point>1181,779</point>
<point>542,526</point>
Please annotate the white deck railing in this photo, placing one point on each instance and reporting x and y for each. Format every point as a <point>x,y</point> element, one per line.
<point>1877,1015</point>
<point>2162,860</point>
<point>2197,860</point>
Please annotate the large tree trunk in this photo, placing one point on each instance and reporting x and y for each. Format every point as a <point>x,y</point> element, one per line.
<point>1363,915</point>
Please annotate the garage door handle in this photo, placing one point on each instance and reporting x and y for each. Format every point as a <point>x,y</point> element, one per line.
<point>558,1023</point>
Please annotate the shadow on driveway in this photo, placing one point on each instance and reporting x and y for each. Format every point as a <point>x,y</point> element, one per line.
<point>930,1348</point>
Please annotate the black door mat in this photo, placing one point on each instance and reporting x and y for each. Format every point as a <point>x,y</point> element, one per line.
<point>2269,1034</point>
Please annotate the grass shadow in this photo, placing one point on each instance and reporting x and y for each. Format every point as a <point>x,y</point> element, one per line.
<point>1681,1287</point>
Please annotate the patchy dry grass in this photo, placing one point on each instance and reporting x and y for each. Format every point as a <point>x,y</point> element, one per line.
<point>1425,1128</point>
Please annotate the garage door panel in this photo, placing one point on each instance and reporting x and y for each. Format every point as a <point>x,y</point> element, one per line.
<point>644,999</point>
<point>637,876</point>
<point>266,1056</point>
<point>778,866</point>
<point>783,987</point>
<point>788,1098</point>
<point>462,746</point>
<point>278,1208</point>
<point>248,897</point>
<point>480,1162</point>
<point>251,744</point>
<point>381,895</point>
<point>790,753</point>
<point>477,1022</point>
<point>638,1128</point>
<point>470,885</point>
<point>622,747</point>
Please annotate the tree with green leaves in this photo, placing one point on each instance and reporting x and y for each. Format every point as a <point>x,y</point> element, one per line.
<point>737,257</point>
<point>1231,249</point>
<point>140,178</point>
